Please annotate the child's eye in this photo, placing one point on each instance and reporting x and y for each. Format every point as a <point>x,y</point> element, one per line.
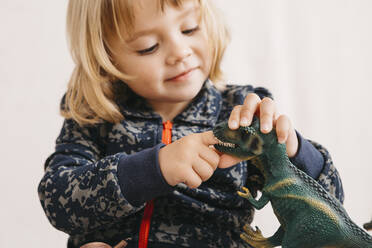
<point>190,31</point>
<point>148,50</point>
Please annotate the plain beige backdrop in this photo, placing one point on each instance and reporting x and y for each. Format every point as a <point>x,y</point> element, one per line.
<point>315,56</point>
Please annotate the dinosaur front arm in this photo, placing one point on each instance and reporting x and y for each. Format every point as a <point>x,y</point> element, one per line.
<point>258,204</point>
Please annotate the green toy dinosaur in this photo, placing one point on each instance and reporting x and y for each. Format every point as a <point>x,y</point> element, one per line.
<point>309,216</point>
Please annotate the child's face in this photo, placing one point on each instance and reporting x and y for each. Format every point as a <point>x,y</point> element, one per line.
<point>169,53</point>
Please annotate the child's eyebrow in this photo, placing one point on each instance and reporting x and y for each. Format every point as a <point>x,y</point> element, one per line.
<point>140,33</point>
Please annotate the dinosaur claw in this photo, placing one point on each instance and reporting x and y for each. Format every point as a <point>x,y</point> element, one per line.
<point>247,228</point>
<point>245,237</point>
<point>250,232</point>
<point>254,237</point>
<point>245,189</point>
<point>245,194</point>
<point>258,231</point>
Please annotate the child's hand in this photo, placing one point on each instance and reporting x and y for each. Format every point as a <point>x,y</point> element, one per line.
<point>266,110</point>
<point>189,160</point>
<point>121,244</point>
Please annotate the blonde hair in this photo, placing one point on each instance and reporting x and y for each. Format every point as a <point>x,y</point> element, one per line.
<point>90,96</point>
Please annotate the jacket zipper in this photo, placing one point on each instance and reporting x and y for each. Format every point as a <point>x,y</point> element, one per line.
<point>149,208</point>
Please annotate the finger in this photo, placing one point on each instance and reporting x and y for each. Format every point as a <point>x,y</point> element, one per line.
<point>208,138</point>
<point>250,106</point>
<point>292,143</point>
<point>282,126</point>
<point>227,161</point>
<point>267,112</point>
<point>192,179</point>
<point>216,151</point>
<point>122,244</point>
<point>235,117</point>
<point>210,156</point>
<point>203,169</point>
<point>96,245</point>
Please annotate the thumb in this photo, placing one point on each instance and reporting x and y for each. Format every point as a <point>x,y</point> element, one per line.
<point>227,161</point>
<point>208,138</point>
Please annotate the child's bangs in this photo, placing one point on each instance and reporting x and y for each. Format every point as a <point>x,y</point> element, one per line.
<point>118,14</point>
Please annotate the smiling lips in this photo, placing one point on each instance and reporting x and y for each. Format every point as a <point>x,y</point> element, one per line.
<point>182,76</point>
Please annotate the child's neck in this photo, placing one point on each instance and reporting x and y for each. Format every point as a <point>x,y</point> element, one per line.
<point>168,111</point>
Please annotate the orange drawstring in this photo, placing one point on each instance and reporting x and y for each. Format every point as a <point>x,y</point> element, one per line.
<point>149,208</point>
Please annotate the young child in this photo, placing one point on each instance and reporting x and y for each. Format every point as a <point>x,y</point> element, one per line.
<point>145,76</point>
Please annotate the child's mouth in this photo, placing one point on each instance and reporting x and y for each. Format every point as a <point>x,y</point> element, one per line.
<point>183,76</point>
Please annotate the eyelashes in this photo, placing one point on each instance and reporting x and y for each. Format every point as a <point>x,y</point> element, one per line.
<point>148,50</point>
<point>191,30</point>
<point>153,48</point>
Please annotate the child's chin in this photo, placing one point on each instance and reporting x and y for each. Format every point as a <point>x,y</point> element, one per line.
<point>189,94</point>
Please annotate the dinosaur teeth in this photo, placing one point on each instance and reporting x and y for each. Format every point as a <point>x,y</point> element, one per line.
<point>226,144</point>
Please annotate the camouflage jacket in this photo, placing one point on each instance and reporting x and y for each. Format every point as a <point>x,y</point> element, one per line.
<point>99,178</point>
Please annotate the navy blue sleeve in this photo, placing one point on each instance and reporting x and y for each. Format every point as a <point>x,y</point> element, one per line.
<point>263,92</point>
<point>308,158</point>
<point>83,189</point>
<point>140,178</point>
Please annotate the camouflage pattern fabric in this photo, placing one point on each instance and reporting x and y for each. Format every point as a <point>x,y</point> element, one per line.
<point>81,194</point>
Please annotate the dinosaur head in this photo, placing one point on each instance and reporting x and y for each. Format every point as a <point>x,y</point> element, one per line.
<point>244,142</point>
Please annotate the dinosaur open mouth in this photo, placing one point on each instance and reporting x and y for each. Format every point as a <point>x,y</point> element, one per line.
<point>229,148</point>
<point>226,144</point>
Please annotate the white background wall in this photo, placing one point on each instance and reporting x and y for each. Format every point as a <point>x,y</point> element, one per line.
<point>315,56</point>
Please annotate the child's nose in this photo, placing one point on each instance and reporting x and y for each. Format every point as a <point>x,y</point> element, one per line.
<point>178,51</point>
